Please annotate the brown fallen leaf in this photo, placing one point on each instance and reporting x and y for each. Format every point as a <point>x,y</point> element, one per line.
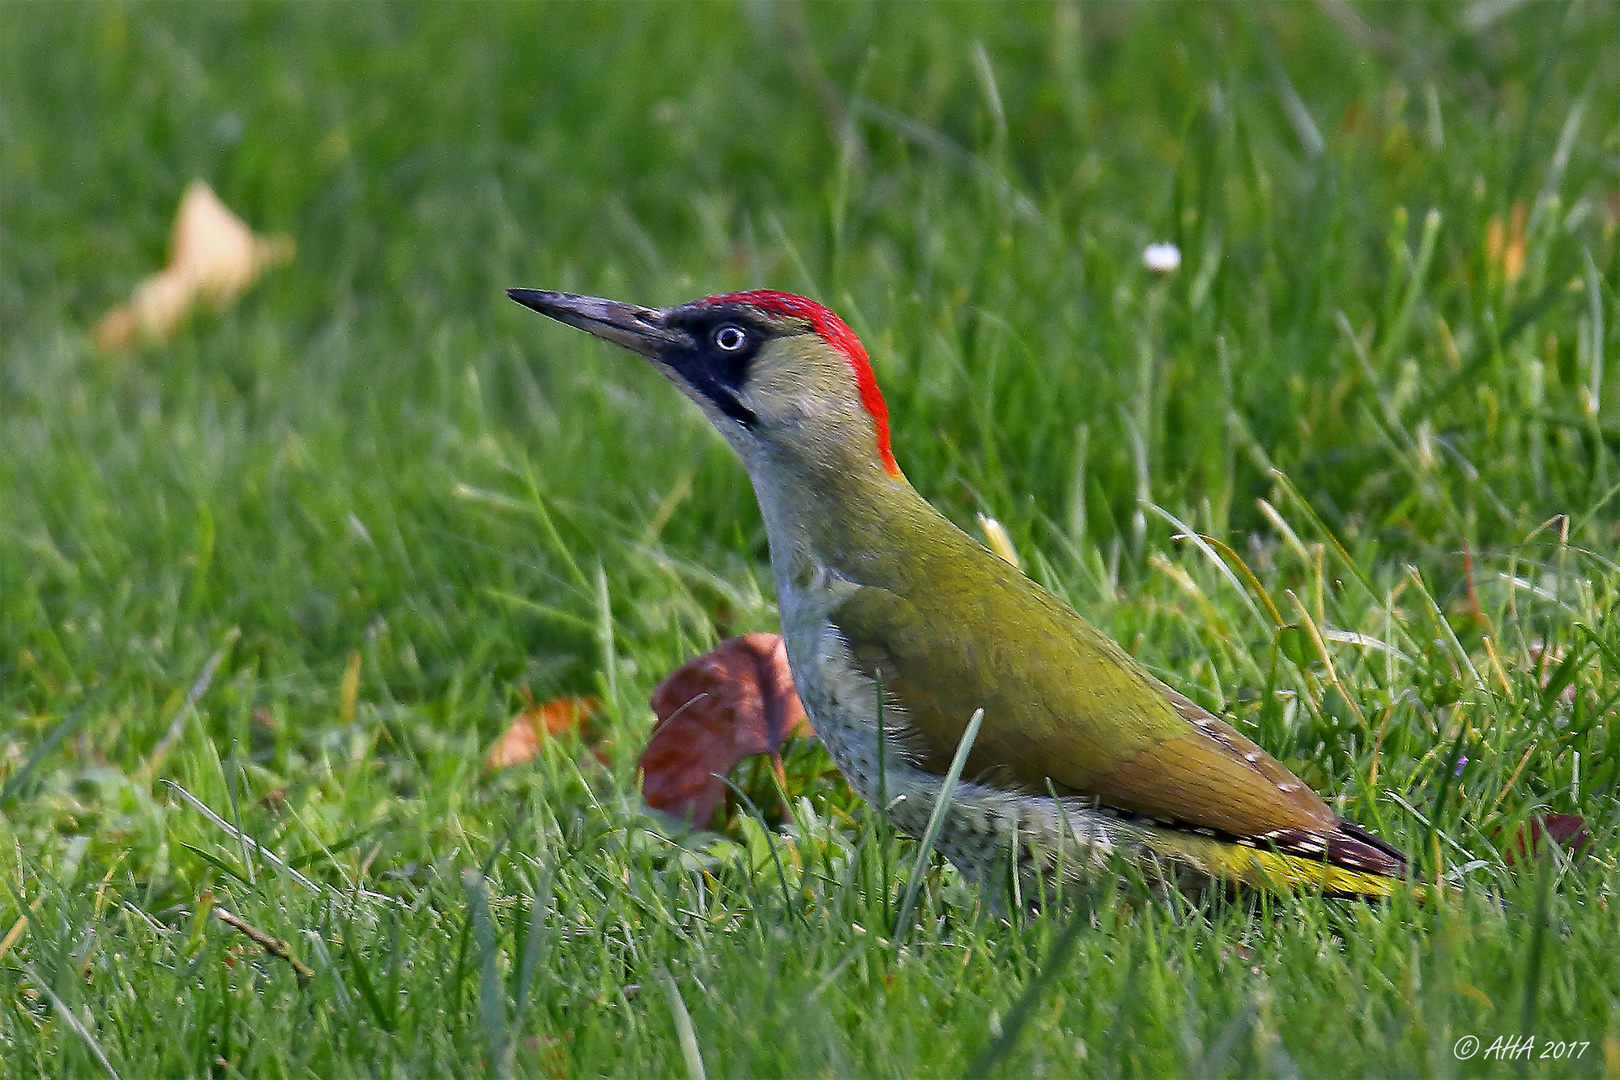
<point>213,258</point>
<point>534,724</point>
<point>713,711</point>
<point>1568,831</point>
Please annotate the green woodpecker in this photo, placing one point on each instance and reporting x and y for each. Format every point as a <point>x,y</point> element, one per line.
<point>1079,751</point>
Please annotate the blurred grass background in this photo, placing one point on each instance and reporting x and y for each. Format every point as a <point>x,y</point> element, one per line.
<point>1385,375</point>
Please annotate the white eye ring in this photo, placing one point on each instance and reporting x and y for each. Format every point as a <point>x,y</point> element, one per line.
<point>730,338</point>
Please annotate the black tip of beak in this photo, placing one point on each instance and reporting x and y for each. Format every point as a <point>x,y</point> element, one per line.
<point>639,329</point>
<point>532,298</point>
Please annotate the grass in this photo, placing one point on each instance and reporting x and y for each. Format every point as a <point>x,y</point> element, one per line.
<point>1383,382</point>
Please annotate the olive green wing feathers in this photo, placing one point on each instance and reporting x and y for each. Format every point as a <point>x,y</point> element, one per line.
<point>1062,703</point>
<point>1065,705</point>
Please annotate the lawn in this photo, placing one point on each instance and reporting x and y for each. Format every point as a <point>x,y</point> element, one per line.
<point>269,590</point>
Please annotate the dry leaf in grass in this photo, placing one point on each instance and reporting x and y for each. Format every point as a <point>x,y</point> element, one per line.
<point>213,258</point>
<point>536,723</point>
<point>713,711</point>
<point>1568,831</point>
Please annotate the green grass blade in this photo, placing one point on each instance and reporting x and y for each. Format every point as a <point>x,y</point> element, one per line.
<point>231,831</point>
<point>936,821</point>
<point>74,1024</point>
<point>683,1025</point>
<point>491,1000</point>
<point>1057,963</point>
<point>64,727</point>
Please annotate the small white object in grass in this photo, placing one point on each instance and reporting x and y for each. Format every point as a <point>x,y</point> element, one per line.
<point>1162,258</point>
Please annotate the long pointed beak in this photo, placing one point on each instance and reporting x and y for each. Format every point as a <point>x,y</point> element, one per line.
<point>641,330</point>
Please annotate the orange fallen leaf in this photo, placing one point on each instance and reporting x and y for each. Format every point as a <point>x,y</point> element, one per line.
<point>534,724</point>
<point>1568,831</point>
<point>713,711</point>
<point>213,258</point>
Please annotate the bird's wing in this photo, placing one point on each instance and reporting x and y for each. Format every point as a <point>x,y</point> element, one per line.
<point>1346,844</point>
<point>1063,703</point>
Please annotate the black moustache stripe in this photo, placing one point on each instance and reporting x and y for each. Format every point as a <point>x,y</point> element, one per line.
<point>724,400</point>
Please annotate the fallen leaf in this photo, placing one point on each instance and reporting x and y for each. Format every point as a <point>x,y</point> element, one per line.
<point>713,711</point>
<point>213,259</point>
<point>534,724</point>
<point>1568,831</point>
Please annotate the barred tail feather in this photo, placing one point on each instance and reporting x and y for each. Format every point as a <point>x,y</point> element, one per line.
<point>1290,872</point>
<point>1271,868</point>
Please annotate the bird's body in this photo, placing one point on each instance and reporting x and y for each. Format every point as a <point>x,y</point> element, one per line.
<point>1082,756</point>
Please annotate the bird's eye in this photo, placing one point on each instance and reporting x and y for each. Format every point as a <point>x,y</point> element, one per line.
<point>730,338</point>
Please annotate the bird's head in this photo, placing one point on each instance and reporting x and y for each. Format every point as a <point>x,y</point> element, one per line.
<point>783,379</point>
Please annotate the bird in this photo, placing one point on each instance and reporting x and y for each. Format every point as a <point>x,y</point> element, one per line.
<point>899,628</point>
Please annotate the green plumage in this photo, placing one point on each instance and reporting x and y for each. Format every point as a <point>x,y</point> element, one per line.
<point>876,588</point>
<point>951,627</point>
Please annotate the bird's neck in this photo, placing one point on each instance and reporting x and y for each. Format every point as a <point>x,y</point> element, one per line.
<point>855,523</point>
